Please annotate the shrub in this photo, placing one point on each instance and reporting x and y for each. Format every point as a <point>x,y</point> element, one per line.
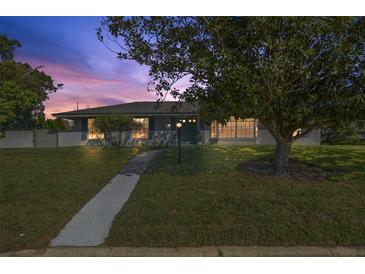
<point>114,125</point>
<point>344,134</point>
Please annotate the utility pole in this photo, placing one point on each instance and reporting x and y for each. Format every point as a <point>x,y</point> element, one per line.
<point>77,105</point>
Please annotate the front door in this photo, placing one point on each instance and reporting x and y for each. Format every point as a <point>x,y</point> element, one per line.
<point>188,130</point>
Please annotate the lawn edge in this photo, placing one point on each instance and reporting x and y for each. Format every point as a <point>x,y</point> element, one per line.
<point>205,251</point>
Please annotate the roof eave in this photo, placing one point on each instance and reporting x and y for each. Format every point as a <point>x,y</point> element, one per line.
<point>64,115</point>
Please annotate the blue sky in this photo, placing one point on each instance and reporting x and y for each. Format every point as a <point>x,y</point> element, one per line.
<point>72,55</point>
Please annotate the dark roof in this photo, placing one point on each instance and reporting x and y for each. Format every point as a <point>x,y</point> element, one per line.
<point>135,108</point>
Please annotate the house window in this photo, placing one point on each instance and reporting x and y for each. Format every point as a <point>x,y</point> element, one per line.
<point>92,132</point>
<point>245,128</point>
<point>228,130</point>
<point>234,128</point>
<point>214,130</point>
<point>141,133</point>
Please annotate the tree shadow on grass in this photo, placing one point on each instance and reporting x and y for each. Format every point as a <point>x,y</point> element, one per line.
<point>298,170</point>
<point>345,162</point>
<point>205,159</point>
<point>327,161</point>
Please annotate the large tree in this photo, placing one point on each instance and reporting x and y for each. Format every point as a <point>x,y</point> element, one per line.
<point>23,89</point>
<point>289,72</point>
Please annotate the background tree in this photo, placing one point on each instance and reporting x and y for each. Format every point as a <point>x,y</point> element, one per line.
<point>114,125</point>
<point>7,47</point>
<point>13,100</point>
<point>23,89</point>
<point>289,72</point>
<point>349,133</point>
<point>58,124</point>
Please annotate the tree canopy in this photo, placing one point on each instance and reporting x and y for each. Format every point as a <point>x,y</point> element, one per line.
<point>23,89</point>
<point>58,124</point>
<point>7,47</point>
<point>289,72</point>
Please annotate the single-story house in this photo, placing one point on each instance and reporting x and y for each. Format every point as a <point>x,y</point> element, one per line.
<point>159,125</point>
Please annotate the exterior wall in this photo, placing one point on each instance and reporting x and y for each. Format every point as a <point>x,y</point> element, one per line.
<point>17,138</point>
<point>205,136</point>
<point>313,138</point>
<point>157,138</point>
<point>80,125</point>
<point>77,124</point>
<point>265,137</point>
<point>238,141</point>
<point>160,135</point>
<point>161,122</point>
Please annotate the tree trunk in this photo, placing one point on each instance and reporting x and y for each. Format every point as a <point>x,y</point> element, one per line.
<point>281,159</point>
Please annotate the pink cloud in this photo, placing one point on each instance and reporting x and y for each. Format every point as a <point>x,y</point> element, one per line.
<point>65,73</point>
<point>88,89</point>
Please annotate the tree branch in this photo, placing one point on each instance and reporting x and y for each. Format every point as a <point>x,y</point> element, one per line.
<point>26,74</point>
<point>305,68</point>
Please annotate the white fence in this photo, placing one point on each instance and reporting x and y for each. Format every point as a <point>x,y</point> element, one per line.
<point>40,138</point>
<point>17,138</point>
<point>47,138</point>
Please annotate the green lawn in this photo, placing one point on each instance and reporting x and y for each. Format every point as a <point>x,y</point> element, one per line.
<point>206,202</point>
<point>41,189</point>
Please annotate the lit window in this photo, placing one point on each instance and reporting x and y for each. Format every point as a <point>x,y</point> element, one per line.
<point>92,132</point>
<point>228,130</point>
<point>234,128</point>
<point>141,133</point>
<point>245,128</point>
<point>213,130</point>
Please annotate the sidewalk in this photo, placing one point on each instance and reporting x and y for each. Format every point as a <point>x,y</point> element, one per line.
<point>91,225</point>
<point>209,251</point>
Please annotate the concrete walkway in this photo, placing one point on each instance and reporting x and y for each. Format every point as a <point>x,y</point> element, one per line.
<point>209,251</point>
<point>91,225</point>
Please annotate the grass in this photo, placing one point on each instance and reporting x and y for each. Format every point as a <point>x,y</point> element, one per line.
<point>41,189</point>
<point>206,202</point>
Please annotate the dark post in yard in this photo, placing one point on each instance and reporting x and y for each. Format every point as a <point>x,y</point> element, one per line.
<point>178,126</point>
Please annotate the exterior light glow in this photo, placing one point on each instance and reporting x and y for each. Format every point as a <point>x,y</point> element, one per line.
<point>178,125</point>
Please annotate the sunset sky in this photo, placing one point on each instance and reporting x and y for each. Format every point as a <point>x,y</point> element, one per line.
<point>72,55</point>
